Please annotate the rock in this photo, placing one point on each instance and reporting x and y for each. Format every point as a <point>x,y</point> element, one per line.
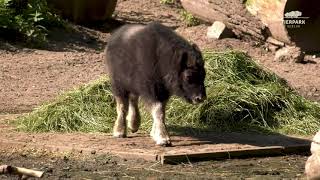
<point>272,48</point>
<point>312,167</point>
<point>274,45</point>
<point>315,145</point>
<point>290,54</point>
<point>218,30</point>
<point>275,42</point>
<point>314,89</point>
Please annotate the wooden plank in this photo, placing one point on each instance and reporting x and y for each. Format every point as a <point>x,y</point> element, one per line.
<point>243,153</point>
<point>185,149</point>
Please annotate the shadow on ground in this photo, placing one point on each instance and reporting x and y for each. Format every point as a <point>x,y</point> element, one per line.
<point>81,38</point>
<point>261,139</point>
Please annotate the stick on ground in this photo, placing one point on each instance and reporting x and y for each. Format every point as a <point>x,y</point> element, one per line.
<point>6,169</point>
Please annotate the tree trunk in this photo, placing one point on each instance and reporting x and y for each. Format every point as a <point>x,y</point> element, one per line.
<point>233,13</point>
<point>84,11</point>
<point>277,14</point>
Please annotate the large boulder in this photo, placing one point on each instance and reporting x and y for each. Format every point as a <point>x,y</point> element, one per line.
<point>290,54</point>
<point>312,167</point>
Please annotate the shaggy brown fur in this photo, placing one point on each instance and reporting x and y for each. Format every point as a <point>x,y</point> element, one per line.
<point>152,62</point>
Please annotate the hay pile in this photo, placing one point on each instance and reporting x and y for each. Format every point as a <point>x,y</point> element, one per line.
<point>241,97</point>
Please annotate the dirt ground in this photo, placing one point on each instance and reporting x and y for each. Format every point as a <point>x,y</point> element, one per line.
<point>71,166</point>
<point>30,77</point>
<point>99,156</point>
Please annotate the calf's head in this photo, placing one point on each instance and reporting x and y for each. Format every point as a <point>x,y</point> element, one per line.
<point>192,75</point>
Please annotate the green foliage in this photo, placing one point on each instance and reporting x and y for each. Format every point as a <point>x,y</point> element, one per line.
<point>241,97</point>
<point>167,1</point>
<point>189,19</point>
<point>246,2</point>
<point>29,18</point>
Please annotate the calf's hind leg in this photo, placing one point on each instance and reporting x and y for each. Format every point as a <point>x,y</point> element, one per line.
<point>133,116</point>
<point>120,127</point>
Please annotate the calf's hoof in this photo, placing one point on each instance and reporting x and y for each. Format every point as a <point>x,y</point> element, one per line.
<point>163,143</point>
<point>119,135</point>
<point>133,130</point>
<point>134,125</point>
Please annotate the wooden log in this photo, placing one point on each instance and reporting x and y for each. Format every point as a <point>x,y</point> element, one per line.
<point>5,169</point>
<point>233,13</point>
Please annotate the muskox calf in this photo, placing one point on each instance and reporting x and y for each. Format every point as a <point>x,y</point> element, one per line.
<point>152,62</point>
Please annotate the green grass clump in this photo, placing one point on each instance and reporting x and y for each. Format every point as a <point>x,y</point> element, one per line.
<point>241,97</point>
<point>189,19</point>
<point>167,1</point>
<point>31,19</point>
<point>90,108</point>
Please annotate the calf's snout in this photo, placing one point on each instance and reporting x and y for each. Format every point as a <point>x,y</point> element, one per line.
<point>199,98</point>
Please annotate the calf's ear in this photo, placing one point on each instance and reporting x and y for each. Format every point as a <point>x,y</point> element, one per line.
<point>196,47</point>
<point>186,61</point>
<point>183,59</point>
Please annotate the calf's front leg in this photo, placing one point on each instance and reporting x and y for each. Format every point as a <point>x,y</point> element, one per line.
<point>159,132</point>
